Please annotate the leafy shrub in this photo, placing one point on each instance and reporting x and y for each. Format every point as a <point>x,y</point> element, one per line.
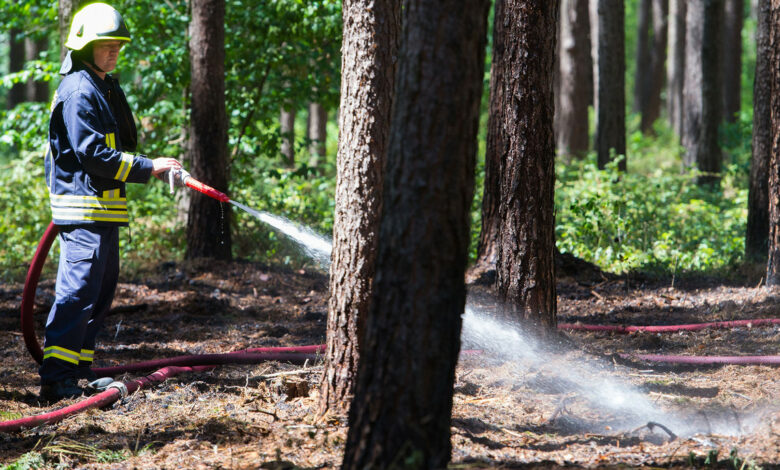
<point>664,221</point>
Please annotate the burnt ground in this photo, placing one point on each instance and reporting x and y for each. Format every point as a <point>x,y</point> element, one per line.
<point>571,402</point>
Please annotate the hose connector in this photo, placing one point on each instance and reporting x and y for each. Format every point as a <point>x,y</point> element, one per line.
<point>176,178</point>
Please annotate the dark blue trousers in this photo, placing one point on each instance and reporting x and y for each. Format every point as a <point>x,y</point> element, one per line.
<point>86,281</point>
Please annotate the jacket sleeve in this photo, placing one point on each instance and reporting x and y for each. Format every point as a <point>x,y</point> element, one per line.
<point>94,147</point>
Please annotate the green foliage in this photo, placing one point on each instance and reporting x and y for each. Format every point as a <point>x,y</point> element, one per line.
<point>28,461</point>
<point>659,222</point>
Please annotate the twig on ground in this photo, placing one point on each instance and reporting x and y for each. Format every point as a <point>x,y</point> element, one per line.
<point>652,424</point>
<point>291,372</point>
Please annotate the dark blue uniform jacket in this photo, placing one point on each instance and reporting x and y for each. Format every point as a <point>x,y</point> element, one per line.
<point>86,167</point>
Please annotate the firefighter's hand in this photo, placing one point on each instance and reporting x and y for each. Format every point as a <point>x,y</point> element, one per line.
<point>163,164</point>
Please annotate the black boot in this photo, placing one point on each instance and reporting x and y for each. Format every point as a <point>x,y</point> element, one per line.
<point>56,391</point>
<point>84,372</point>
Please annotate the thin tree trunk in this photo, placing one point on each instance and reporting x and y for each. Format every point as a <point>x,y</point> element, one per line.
<point>575,79</point>
<point>369,49</point>
<point>400,416</point>
<point>526,268</point>
<point>773,263</point>
<point>208,224</point>
<point>593,13</point>
<point>317,133</point>
<point>703,89</point>
<point>611,108</point>
<point>643,65</point>
<point>676,71</point>
<point>757,232</point>
<point>652,109</point>
<point>16,51</point>
<point>36,90</point>
<point>732,58</point>
<point>287,130</point>
<point>484,268</point>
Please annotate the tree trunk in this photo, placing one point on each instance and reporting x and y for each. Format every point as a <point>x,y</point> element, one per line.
<point>208,224</point>
<point>732,58</point>
<point>400,416</point>
<point>773,263</point>
<point>287,130</point>
<point>484,268</point>
<point>757,232</point>
<point>36,91</point>
<point>593,16</point>
<point>317,132</point>
<point>703,89</point>
<point>611,108</point>
<point>18,92</point>
<point>65,11</point>
<point>675,73</point>
<point>652,106</point>
<point>526,268</point>
<point>369,49</point>
<point>575,79</point>
<point>643,65</point>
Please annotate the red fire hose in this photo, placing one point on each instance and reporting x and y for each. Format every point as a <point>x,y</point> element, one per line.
<point>670,328</point>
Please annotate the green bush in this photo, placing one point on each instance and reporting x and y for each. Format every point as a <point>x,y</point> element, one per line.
<point>664,221</point>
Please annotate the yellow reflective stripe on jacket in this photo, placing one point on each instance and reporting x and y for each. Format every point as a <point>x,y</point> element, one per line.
<point>110,208</point>
<point>111,140</point>
<point>124,168</point>
<point>61,353</point>
<point>86,355</point>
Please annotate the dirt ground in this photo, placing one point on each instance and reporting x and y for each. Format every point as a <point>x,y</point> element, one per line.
<point>573,402</point>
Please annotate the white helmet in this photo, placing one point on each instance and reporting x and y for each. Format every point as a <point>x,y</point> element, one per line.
<point>94,22</point>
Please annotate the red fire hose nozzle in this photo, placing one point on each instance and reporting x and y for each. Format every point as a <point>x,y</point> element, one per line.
<point>182,178</point>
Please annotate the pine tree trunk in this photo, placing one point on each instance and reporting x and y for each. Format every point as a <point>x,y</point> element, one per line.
<point>400,416</point>
<point>208,224</point>
<point>643,65</point>
<point>773,264</point>
<point>732,58</point>
<point>287,131</point>
<point>675,73</point>
<point>16,51</point>
<point>484,268</point>
<point>526,268</point>
<point>757,232</point>
<point>575,79</point>
<point>369,49</point>
<point>652,108</point>
<point>36,91</point>
<point>317,133</point>
<point>611,108</point>
<point>703,89</point>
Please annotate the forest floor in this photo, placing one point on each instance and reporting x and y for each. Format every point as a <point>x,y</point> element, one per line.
<point>571,402</point>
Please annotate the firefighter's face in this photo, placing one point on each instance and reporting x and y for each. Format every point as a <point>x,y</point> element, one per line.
<point>107,53</point>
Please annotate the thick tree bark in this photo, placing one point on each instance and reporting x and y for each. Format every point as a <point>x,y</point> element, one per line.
<point>369,50</point>
<point>287,131</point>
<point>651,110</point>
<point>703,88</point>
<point>643,65</point>
<point>732,58</point>
<point>576,72</point>
<point>773,263</point>
<point>611,101</point>
<point>757,232</point>
<point>208,224</point>
<point>16,52</point>
<point>400,416</point>
<point>675,73</point>
<point>526,268</point>
<point>317,133</point>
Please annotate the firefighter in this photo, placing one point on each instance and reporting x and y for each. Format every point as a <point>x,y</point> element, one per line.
<point>90,157</point>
